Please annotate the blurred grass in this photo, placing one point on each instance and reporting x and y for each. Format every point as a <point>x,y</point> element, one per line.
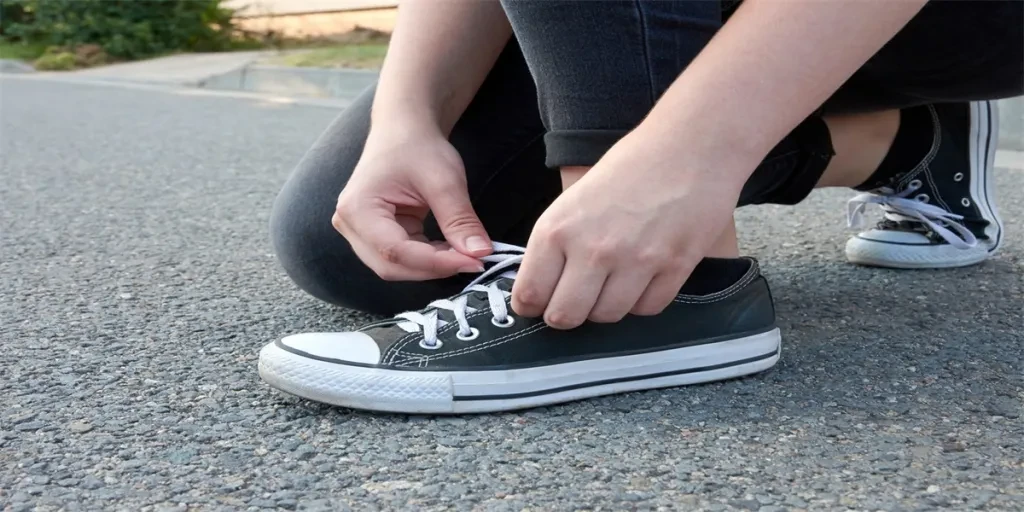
<point>361,56</point>
<point>360,48</point>
<point>20,51</point>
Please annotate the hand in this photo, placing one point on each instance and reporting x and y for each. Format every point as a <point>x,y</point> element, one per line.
<point>624,238</point>
<point>398,180</point>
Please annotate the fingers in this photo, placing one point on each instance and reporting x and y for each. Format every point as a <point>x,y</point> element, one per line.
<point>621,291</point>
<point>381,242</point>
<point>388,271</point>
<point>382,208</point>
<point>413,225</point>
<point>575,295</point>
<point>418,255</point>
<point>538,275</point>
<point>661,291</point>
<point>458,220</point>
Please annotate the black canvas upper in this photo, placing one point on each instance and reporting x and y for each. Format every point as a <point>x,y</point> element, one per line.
<point>942,173</point>
<point>739,308</point>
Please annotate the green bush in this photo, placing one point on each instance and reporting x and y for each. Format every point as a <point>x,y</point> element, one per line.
<point>55,60</point>
<point>125,29</point>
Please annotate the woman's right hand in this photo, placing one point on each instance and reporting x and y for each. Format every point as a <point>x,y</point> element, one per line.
<point>398,180</point>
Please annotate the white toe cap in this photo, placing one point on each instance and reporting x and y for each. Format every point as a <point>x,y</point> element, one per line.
<point>354,347</point>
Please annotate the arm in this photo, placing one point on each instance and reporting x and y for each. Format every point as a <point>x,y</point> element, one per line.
<point>656,202</point>
<point>440,53</point>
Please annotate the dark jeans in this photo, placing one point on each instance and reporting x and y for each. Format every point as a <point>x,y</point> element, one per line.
<point>581,75</point>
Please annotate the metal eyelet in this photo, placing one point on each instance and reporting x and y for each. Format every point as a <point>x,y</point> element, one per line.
<point>473,334</point>
<point>965,202</point>
<point>437,344</point>
<point>915,184</point>
<point>504,325</point>
<point>922,198</point>
<point>958,176</point>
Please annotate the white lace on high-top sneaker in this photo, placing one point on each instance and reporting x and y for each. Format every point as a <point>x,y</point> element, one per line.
<point>941,213</point>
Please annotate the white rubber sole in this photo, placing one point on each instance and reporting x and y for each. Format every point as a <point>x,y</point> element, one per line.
<point>982,154</point>
<point>886,254</point>
<point>441,392</point>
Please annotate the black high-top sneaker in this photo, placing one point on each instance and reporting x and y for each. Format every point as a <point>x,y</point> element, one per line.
<point>942,212</point>
<point>472,353</point>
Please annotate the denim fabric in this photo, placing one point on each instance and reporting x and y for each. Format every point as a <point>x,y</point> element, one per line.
<point>600,66</point>
<point>952,51</point>
<point>588,72</point>
<point>500,139</point>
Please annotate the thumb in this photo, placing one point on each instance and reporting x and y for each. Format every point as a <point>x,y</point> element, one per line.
<point>459,222</point>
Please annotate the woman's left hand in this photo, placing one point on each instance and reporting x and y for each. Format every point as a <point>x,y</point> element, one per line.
<point>624,238</point>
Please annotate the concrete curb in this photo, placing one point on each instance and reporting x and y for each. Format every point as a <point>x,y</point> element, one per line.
<point>314,82</point>
<point>1011,123</point>
<point>341,84</point>
<point>348,83</point>
<point>186,69</point>
<point>15,66</point>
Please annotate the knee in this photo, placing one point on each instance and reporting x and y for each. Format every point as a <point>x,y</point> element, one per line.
<point>322,263</point>
<point>312,253</point>
<point>308,248</point>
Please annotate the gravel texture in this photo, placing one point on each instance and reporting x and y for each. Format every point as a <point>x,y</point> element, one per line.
<point>137,286</point>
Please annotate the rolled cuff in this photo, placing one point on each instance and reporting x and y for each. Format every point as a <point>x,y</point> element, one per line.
<point>578,147</point>
<point>792,169</point>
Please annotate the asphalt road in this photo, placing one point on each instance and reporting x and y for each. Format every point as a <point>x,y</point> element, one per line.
<point>137,286</point>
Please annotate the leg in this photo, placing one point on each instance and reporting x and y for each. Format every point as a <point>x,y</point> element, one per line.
<point>587,105</point>
<point>927,164</point>
<point>933,183</point>
<point>589,99</point>
<point>934,188</point>
<point>491,358</point>
<point>722,325</point>
<point>950,52</point>
<point>499,139</point>
<point>861,141</point>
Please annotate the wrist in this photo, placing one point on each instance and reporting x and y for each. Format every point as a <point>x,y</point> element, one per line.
<point>388,129</point>
<point>420,109</point>
<point>680,155</point>
<point>708,135</point>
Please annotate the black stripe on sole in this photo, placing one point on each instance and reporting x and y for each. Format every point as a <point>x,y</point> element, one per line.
<point>510,396</point>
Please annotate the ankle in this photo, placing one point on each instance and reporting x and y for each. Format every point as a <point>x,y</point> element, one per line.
<point>727,245</point>
<point>571,175</point>
<point>910,145</point>
<point>861,143</point>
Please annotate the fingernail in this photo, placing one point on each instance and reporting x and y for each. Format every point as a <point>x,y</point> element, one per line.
<point>471,269</point>
<point>476,244</point>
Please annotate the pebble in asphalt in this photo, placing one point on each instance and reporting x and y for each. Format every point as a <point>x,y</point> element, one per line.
<point>137,287</point>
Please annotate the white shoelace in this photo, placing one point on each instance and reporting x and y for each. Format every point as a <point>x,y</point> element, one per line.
<point>898,207</point>
<point>505,256</point>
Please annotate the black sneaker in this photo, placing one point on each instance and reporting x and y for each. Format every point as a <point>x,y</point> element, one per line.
<point>471,353</point>
<point>941,213</point>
